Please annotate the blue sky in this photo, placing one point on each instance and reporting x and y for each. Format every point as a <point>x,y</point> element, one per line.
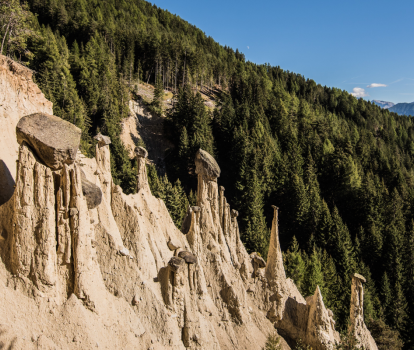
<point>346,44</point>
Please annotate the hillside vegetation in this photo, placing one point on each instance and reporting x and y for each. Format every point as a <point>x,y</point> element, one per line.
<point>340,169</point>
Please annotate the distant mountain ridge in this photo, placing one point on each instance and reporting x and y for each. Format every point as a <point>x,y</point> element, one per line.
<point>383,104</point>
<point>399,108</point>
<point>403,108</point>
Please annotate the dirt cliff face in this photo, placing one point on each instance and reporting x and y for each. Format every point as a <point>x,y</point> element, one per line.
<point>119,275</point>
<point>19,96</point>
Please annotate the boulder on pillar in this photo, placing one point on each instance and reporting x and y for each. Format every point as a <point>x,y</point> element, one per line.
<point>54,140</point>
<point>102,140</point>
<point>206,165</point>
<point>357,325</point>
<point>142,179</point>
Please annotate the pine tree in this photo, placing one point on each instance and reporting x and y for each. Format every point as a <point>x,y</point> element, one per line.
<point>333,283</point>
<point>17,27</point>
<point>399,309</point>
<point>386,297</point>
<point>294,264</point>
<point>314,274</point>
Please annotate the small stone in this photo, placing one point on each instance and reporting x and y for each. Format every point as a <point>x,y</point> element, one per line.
<point>196,209</point>
<point>124,252</point>
<point>173,244</point>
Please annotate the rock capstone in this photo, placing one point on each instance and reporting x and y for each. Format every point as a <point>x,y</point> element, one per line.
<point>102,140</point>
<point>141,152</point>
<point>358,276</point>
<point>175,263</point>
<point>173,244</point>
<point>206,165</point>
<point>54,140</point>
<point>188,257</point>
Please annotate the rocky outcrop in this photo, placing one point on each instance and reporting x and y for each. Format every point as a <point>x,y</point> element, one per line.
<point>19,96</point>
<point>142,124</point>
<point>321,332</point>
<point>357,327</point>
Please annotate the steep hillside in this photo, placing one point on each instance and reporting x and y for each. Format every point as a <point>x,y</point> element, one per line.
<point>340,169</point>
<point>84,265</point>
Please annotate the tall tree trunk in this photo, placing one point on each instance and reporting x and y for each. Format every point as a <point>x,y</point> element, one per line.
<point>4,38</point>
<point>185,59</point>
<point>176,68</point>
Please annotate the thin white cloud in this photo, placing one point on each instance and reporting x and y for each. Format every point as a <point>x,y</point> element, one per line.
<point>358,92</point>
<point>248,48</point>
<point>374,85</point>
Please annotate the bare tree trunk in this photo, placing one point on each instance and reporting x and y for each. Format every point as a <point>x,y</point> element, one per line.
<point>4,38</point>
<point>149,75</point>
<point>176,67</point>
<point>185,58</point>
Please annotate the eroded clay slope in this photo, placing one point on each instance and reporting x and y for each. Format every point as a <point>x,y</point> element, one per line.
<point>85,266</point>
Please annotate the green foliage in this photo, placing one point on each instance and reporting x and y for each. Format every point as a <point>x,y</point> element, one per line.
<point>273,342</point>
<point>385,337</point>
<point>295,265</point>
<point>301,346</point>
<point>348,342</point>
<point>173,196</point>
<point>313,274</point>
<point>192,198</point>
<point>156,103</point>
<point>17,27</point>
<point>188,125</point>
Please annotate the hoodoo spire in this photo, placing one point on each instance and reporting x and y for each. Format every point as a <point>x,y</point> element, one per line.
<point>142,179</point>
<point>274,267</point>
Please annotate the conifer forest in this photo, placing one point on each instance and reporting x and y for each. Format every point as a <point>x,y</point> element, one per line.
<point>340,169</point>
